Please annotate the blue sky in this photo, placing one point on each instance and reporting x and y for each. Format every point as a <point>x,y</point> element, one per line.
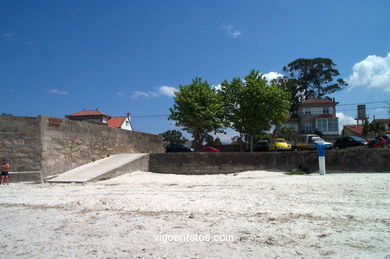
<point>59,57</point>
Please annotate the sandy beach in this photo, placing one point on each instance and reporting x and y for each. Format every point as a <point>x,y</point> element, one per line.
<point>248,215</point>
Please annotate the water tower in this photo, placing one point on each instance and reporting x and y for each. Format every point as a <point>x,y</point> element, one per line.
<point>361,113</point>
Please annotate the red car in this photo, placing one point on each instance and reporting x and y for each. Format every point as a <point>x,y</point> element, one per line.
<point>377,142</point>
<point>208,149</point>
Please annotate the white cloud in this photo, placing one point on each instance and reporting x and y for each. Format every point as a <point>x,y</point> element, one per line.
<point>217,87</point>
<point>120,94</point>
<point>167,90</point>
<point>344,120</point>
<point>229,29</point>
<point>56,91</point>
<point>372,72</point>
<point>138,94</point>
<point>160,91</point>
<point>272,75</point>
<point>8,35</point>
<point>227,138</point>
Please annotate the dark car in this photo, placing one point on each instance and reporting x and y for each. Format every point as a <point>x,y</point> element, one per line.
<point>177,147</point>
<point>260,146</point>
<point>350,141</point>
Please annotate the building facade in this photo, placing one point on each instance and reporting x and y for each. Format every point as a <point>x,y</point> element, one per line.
<point>91,116</point>
<point>315,115</point>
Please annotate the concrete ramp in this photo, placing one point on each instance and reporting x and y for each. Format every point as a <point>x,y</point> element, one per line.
<point>105,168</point>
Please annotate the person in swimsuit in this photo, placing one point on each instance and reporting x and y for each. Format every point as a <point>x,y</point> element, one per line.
<point>4,171</point>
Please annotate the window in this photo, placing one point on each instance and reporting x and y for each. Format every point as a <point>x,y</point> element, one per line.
<point>307,111</point>
<point>327,124</point>
<point>308,126</point>
<point>325,110</point>
<point>322,125</point>
<point>333,124</point>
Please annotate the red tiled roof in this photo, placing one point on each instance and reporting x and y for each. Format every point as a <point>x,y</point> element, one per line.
<point>116,122</point>
<point>383,120</point>
<point>89,113</point>
<point>318,101</point>
<point>358,129</point>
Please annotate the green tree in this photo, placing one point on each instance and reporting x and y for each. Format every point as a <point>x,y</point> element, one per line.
<point>311,78</point>
<point>287,133</point>
<point>366,128</point>
<point>210,141</point>
<point>173,136</point>
<point>199,110</point>
<point>377,127</point>
<point>252,105</point>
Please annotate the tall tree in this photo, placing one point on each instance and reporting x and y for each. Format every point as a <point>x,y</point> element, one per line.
<point>252,105</point>
<point>366,128</point>
<point>312,78</point>
<point>173,136</point>
<point>210,141</point>
<point>377,127</point>
<point>198,109</point>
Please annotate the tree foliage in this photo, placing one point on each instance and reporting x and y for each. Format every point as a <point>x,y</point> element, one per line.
<point>311,78</point>
<point>199,110</point>
<point>366,128</point>
<point>211,141</point>
<point>287,133</point>
<point>252,105</point>
<point>376,126</point>
<point>173,136</point>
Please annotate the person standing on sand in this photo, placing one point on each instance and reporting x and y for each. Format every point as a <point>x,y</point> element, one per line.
<point>4,171</point>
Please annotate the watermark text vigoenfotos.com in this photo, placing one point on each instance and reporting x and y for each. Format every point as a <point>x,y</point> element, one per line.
<point>184,238</point>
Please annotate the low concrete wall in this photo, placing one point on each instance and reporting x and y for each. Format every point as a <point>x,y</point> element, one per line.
<point>349,160</point>
<point>16,177</point>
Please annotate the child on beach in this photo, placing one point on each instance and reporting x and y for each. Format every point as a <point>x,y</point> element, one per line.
<point>4,171</point>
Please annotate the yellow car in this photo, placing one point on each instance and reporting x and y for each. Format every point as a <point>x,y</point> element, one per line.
<point>279,144</point>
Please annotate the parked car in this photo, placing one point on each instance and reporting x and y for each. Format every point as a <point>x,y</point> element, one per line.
<point>279,144</point>
<point>349,141</point>
<point>208,149</point>
<point>260,146</point>
<point>177,147</point>
<point>309,141</point>
<point>379,141</point>
<point>387,139</point>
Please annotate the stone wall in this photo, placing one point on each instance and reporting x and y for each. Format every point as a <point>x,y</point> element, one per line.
<point>20,143</point>
<point>69,144</point>
<point>349,160</point>
<point>53,145</point>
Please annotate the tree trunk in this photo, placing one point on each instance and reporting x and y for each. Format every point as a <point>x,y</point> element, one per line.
<point>241,143</point>
<point>251,137</point>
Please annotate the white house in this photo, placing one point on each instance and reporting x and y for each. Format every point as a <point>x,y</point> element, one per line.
<point>315,114</point>
<point>123,122</point>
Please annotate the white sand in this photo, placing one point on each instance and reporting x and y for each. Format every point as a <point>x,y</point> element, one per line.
<point>269,214</point>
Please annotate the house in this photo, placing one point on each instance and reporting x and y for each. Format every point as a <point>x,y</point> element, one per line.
<point>386,123</point>
<point>357,130</point>
<point>315,115</point>
<point>123,122</point>
<point>91,116</point>
<point>353,130</point>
